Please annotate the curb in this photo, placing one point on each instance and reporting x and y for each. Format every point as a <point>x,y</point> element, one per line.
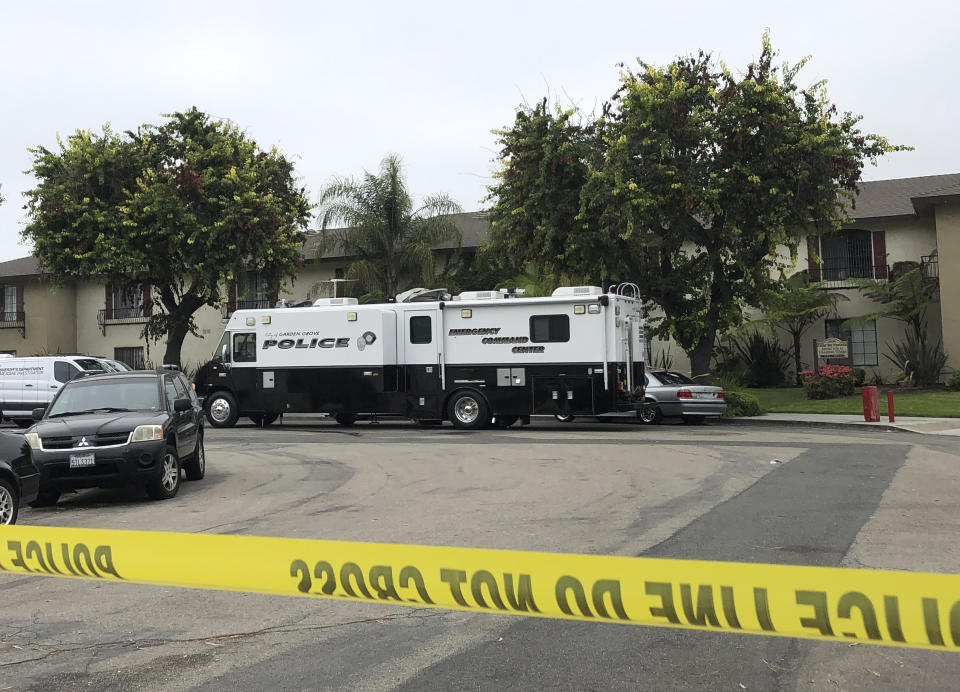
<point>885,427</point>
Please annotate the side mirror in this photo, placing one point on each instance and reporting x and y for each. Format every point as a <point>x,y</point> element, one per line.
<point>37,413</point>
<point>181,405</point>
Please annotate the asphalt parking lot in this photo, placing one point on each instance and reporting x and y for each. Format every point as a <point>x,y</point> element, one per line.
<point>755,494</point>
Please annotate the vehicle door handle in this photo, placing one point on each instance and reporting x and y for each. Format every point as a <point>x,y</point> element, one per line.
<point>53,386</point>
<point>28,385</point>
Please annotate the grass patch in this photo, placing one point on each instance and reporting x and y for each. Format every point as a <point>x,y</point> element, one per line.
<point>937,404</point>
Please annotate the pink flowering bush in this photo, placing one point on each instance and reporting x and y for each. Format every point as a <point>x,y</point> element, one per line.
<point>830,382</point>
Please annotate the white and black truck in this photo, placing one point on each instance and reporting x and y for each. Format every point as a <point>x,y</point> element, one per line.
<point>476,359</point>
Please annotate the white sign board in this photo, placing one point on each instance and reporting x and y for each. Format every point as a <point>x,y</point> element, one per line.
<point>833,348</point>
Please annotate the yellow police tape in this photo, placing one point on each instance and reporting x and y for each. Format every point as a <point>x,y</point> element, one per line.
<point>870,606</point>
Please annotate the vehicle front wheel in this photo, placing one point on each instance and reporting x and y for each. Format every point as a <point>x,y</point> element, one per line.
<point>262,420</point>
<point>9,502</point>
<point>346,418</point>
<point>565,417</point>
<point>46,498</point>
<point>651,414</point>
<point>468,411</point>
<point>197,466</point>
<point>166,485</point>
<point>222,411</point>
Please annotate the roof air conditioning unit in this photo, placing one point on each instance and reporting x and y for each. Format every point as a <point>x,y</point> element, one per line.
<point>578,291</point>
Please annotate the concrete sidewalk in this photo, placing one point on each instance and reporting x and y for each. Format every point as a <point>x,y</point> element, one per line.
<point>926,426</point>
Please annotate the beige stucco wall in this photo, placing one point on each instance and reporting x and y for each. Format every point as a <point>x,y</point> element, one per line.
<point>948,247</point>
<point>50,316</point>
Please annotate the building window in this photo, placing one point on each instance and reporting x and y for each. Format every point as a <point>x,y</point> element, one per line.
<point>127,302</point>
<point>847,254</point>
<point>130,355</point>
<point>421,330</point>
<point>549,328</point>
<point>339,273</point>
<point>862,340</point>
<point>9,304</point>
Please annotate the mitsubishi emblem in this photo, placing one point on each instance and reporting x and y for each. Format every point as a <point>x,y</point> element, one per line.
<point>83,442</point>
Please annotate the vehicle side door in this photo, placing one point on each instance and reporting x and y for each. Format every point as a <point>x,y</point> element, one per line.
<point>63,372</point>
<point>191,417</point>
<point>176,418</point>
<point>11,387</point>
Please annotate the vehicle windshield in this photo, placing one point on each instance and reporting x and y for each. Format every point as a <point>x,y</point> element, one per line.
<point>91,365</point>
<point>669,377</point>
<point>127,394</point>
<point>224,343</point>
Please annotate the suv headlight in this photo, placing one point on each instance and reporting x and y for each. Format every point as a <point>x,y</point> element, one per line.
<point>33,439</point>
<point>146,433</point>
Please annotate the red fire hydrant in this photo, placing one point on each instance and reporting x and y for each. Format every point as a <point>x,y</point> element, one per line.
<point>871,405</point>
<point>890,405</point>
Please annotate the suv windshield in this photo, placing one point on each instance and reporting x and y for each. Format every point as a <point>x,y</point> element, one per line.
<point>669,377</point>
<point>134,394</point>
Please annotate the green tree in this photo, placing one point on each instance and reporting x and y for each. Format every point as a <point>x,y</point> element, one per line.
<point>695,177</point>
<point>186,207</point>
<point>392,241</point>
<point>795,306</point>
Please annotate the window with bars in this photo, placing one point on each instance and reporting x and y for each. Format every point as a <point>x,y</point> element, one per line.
<point>9,304</point>
<point>130,355</point>
<point>862,339</point>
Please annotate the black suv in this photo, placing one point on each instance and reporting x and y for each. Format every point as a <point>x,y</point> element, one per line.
<point>19,478</point>
<point>129,428</point>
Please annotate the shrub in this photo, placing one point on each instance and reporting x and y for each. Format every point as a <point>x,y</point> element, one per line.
<point>859,376</point>
<point>832,381</point>
<point>741,404</point>
<point>764,360</point>
<point>921,364</point>
<point>954,381</point>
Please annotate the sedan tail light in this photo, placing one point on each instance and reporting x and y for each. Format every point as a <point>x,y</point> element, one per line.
<point>684,394</point>
<point>720,394</point>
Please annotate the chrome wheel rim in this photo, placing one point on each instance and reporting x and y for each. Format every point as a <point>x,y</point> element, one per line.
<point>648,414</point>
<point>6,506</point>
<point>171,473</point>
<point>467,409</point>
<point>220,409</point>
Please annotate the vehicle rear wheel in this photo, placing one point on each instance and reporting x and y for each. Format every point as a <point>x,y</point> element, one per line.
<point>166,485</point>
<point>46,498</point>
<point>346,418</point>
<point>197,466</point>
<point>650,414</point>
<point>222,411</point>
<point>9,502</point>
<point>262,420</point>
<point>504,421</point>
<point>694,420</point>
<point>468,411</point>
<point>565,417</point>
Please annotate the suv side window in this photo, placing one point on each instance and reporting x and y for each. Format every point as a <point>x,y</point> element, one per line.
<point>64,371</point>
<point>183,382</point>
<point>244,348</point>
<point>181,390</point>
<point>171,392</point>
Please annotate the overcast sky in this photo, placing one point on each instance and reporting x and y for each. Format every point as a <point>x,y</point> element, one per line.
<point>337,88</point>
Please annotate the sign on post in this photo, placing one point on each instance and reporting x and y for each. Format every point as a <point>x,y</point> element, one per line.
<point>833,348</point>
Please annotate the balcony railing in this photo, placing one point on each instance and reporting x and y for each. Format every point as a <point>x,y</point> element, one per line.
<point>14,320</point>
<point>834,276</point>
<point>258,304</point>
<point>122,315</point>
<point>931,266</point>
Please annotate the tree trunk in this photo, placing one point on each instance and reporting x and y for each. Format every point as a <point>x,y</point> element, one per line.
<point>796,358</point>
<point>700,359</point>
<point>175,339</point>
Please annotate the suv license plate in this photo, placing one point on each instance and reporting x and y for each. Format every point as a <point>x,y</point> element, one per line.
<point>79,461</point>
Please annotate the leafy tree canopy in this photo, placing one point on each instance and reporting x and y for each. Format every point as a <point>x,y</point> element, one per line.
<point>187,206</point>
<point>687,184</point>
<point>392,240</point>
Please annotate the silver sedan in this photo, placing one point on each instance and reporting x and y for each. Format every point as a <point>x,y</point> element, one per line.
<point>673,394</point>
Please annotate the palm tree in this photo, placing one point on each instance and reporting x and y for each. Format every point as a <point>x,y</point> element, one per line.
<point>795,307</point>
<point>391,240</point>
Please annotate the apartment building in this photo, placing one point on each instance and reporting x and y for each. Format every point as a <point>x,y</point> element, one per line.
<point>913,220</point>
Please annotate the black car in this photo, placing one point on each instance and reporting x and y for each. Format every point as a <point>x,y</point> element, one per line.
<point>116,429</point>
<point>19,478</point>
